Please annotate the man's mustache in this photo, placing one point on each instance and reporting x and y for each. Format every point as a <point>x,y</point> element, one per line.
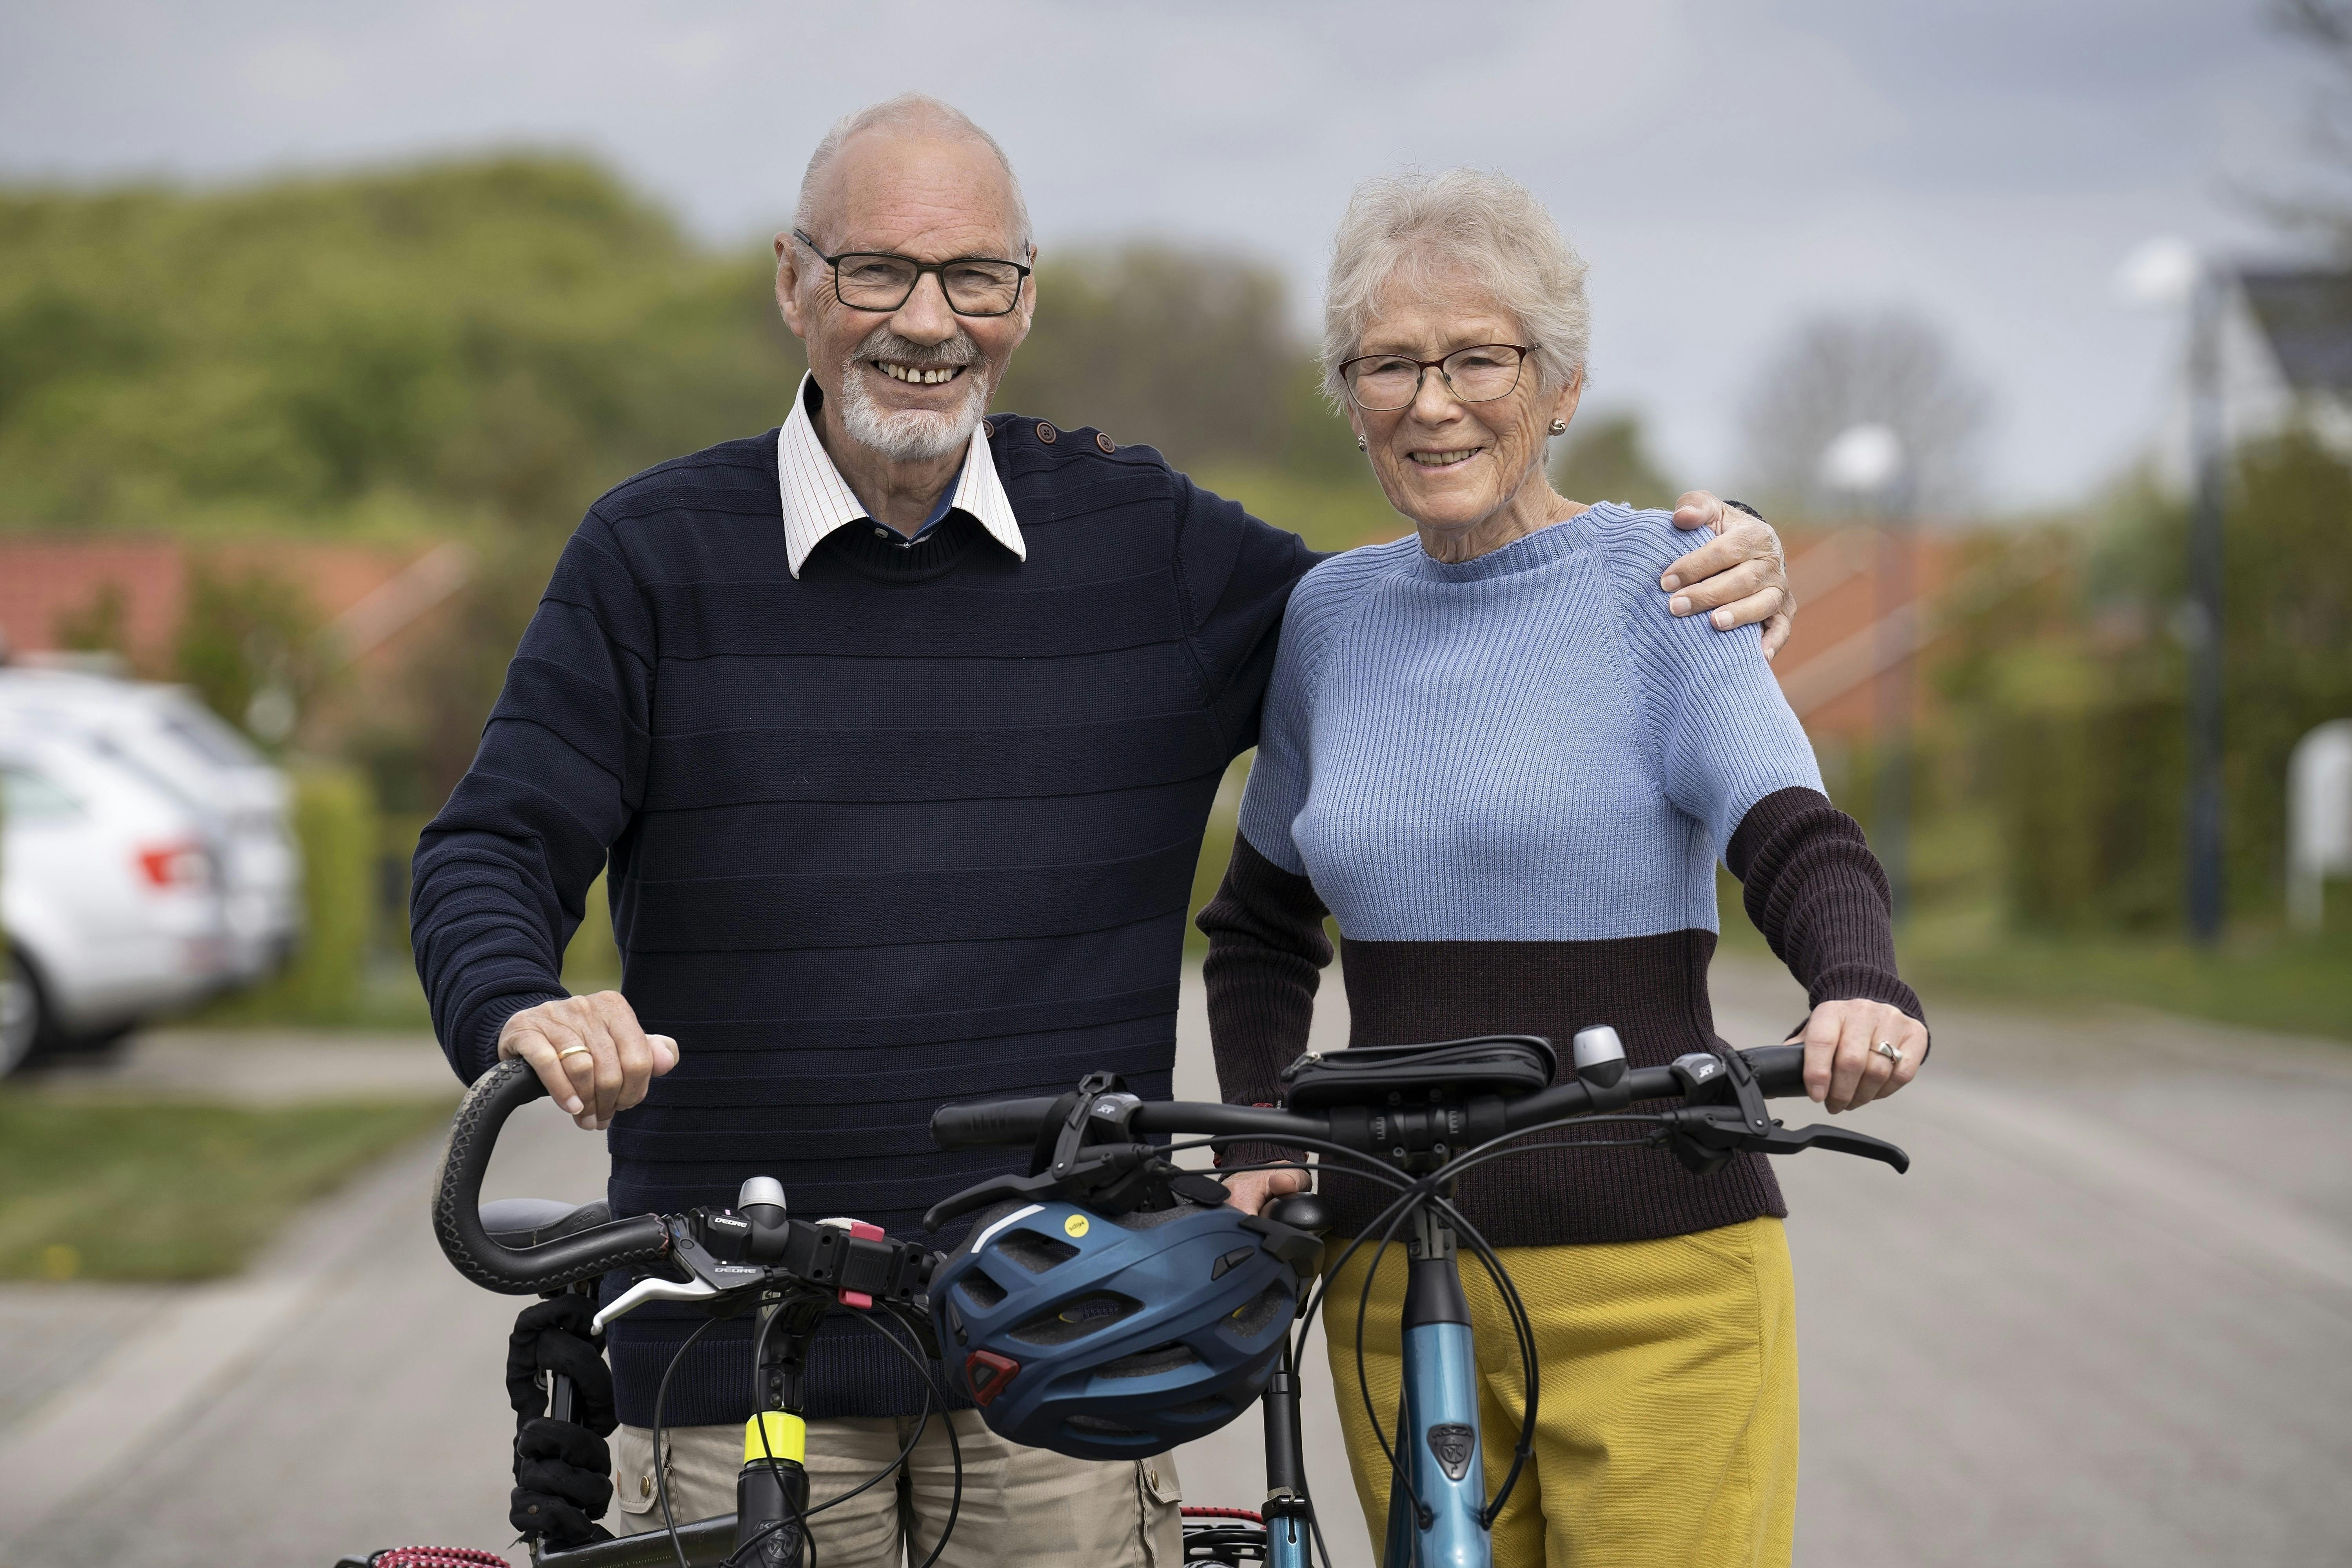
<point>884,343</point>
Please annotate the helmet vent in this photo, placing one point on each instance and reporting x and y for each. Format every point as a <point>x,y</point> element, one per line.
<point>1034,1252</point>
<point>1199,1409</point>
<point>1263,1310</point>
<point>1150,1363</point>
<point>1098,1425</point>
<point>984,1292</point>
<point>1077,1319</point>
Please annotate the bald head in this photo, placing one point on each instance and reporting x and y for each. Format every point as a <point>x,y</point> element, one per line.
<point>867,136</point>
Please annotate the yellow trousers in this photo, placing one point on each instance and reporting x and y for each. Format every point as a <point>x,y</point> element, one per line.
<point>1666,1432</point>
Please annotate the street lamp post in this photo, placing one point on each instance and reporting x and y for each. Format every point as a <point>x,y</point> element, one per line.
<point>2168,274</point>
<point>1868,462</point>
<point>2207,447</point>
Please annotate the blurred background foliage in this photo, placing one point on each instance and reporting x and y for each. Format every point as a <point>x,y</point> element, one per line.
<point>488,339</point>
<point>475,348</point>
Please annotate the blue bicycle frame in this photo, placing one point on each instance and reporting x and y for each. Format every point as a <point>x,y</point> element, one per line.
<point>1440,1521</point>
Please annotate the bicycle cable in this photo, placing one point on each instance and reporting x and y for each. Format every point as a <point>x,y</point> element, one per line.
<point>932,1407</point>
<point>934,1402</point>
<point>947,1418</point>
<point>1414,1194</point>
<point>798,1516</point>
<point>661,1459</point>
<point>1523,1329</point>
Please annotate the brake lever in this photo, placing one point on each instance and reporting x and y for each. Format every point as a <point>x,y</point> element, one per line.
<point>1840,1140</point>
<point>1704,1137</point>
<point>1045,1185</point>
<point>645,1290</point>
<point>707,1279</point>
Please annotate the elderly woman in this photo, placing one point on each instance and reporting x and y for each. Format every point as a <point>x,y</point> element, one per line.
<point>1491,752</point>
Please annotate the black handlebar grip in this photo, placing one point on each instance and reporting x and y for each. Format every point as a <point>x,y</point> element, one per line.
<point>457,1203</point>
<point>1780,1069</point>
<point>1010,1124</point>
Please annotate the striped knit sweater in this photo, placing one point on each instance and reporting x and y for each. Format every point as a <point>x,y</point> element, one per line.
<point>1510,780</point>
<point>918,824</point>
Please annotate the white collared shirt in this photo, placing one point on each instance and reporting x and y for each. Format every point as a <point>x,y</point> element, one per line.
<point>817,499</point>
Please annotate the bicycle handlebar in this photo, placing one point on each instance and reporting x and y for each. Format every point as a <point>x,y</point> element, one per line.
<point>458,1202</point>
<point>644,1240</point>
<point>1780,1072</point>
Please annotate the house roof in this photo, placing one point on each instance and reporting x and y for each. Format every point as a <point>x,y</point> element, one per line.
<point>2306,316</point>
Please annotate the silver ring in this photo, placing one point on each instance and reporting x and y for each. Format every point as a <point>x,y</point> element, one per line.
<point>1888,1049</point>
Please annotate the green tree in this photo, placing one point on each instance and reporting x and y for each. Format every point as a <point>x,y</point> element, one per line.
<point>1191,351</point>
<point>2072,683</point>
<point>492,337</point>
<point>249,645</point>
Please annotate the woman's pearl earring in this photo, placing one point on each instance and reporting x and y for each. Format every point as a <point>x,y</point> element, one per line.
<point>1559,427</point>
<point>1364,445</point>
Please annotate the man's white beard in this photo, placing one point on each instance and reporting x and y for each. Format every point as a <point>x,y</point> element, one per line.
<point>911,435</point>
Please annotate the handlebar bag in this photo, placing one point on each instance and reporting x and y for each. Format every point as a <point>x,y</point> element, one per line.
<point>1508,1065</point>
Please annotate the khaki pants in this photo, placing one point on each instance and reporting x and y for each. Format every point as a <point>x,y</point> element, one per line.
<point>1020,1506</point>
<point>1667,1436</point>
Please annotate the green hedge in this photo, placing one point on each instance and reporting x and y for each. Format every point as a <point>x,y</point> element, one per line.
<point>2089,799</point>
<point>335,823</point>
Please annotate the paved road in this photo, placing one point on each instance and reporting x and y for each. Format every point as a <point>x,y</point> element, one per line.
<point>2108,1318</point>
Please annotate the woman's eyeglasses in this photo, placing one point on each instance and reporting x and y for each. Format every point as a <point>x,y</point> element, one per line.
<point>1380,382</point>
<point>877,280</point>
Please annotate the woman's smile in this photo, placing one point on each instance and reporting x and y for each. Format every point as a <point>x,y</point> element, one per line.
<point>1447,461</point>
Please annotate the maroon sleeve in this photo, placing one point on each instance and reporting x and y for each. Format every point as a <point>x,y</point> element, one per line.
<point>1267,956</point>
<point>1820,896</point>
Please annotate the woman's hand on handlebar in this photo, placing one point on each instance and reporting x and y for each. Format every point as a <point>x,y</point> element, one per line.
<point>1249,1190</point>
<point>590,1052</point>
<point>1845,1069</point>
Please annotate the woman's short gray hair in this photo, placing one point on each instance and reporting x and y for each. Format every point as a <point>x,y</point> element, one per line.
<point>1478,220</point>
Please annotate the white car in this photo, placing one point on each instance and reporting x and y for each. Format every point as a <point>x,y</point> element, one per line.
<point>109,893</point>
<point>239,799</point>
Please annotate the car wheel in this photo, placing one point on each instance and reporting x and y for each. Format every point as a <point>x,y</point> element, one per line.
<point>20,1014</point>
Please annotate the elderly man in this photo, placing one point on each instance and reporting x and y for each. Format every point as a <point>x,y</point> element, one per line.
<point>900,726</point>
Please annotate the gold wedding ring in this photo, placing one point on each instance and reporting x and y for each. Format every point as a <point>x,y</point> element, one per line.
<point>570,1050</point>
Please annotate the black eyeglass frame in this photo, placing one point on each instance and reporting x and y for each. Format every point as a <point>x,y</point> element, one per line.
<point>1422,367</point>
<point>921,267</point>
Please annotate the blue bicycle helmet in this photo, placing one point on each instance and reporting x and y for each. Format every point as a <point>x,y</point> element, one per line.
<point>1118,1339</point>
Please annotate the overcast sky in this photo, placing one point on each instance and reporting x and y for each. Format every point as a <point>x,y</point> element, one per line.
<point>1727,167</point>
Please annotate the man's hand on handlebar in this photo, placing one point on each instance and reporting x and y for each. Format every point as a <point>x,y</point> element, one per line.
<point>590,1053</point>
<point>1249,1190</point>
<point>1844,1068</point>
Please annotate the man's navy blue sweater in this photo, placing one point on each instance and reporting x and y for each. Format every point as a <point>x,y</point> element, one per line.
<point>919,825</point>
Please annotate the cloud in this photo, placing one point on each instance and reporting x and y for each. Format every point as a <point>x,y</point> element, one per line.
<point>1725,167</point>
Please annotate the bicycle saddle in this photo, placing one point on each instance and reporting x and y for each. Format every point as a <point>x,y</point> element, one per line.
<point>528,1221</point>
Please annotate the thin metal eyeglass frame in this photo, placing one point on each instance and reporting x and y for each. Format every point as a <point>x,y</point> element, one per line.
<point>1423,366</point>
<point>921,267</point>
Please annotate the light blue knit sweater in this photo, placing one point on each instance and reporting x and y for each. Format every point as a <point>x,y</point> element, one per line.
<point>1528,746</point>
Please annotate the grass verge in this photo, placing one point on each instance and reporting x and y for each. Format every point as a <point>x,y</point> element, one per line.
<point>2262,981</point>
<point>103,1190</point>
<point>2260,978</point>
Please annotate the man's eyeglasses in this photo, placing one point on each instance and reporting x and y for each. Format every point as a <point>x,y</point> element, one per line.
<point>1380,382</point>
<point>877,280</point>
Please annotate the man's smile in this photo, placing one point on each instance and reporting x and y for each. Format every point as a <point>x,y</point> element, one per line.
<point>918,375</point>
